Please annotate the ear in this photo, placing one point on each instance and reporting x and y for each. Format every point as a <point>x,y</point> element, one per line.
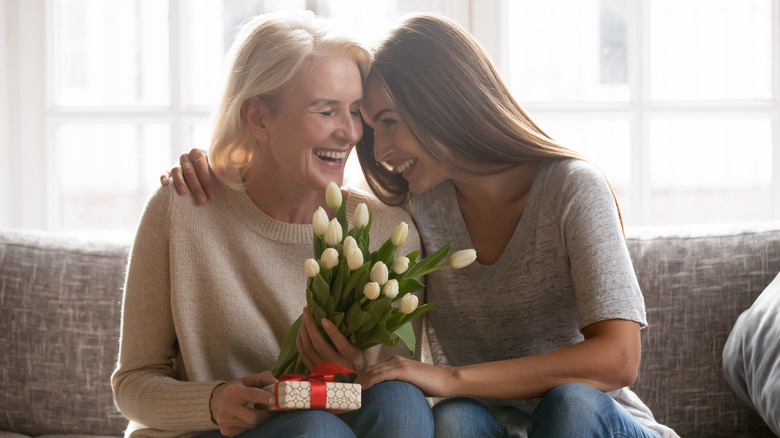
<point>255,113</point>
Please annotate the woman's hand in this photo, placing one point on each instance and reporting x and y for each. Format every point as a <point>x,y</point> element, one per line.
<point>314,349</point>
<point>229,403</point>
<point>193,173</point>
<point>432,380</point>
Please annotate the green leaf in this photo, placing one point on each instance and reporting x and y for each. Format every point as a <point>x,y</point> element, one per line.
<point>377,311</point>
<point>398,319</point>
<point>428,262</point>
<point>337,285</point>
<point>377,336</point>
<point>406,333</point>
<point>385,254</point>
<point>288,351</point>
<point>407,285</point>
<point>319,245</point>
<point>341,215</point>
<point>321,294</point>
<point>353,319</point>
<point>358,276</point>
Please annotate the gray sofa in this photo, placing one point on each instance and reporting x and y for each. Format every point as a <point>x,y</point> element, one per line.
<point>60,310</point>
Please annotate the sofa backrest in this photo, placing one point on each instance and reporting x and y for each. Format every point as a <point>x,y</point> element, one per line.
<point>60,302</point>
<point>696,281</point>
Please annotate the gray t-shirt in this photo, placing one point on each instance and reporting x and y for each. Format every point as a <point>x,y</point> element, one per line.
<point>565,267</point>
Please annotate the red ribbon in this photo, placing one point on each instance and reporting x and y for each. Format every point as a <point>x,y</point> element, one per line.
<point>322,373</point>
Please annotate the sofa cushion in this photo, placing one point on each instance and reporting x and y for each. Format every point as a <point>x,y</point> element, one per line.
<point>751,357</point>
<point>60,302</point>
<point>696,281</point>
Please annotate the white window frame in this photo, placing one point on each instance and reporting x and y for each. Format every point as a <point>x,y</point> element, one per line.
<point>28,185</point>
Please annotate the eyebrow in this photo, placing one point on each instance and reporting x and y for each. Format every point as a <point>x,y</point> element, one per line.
<point>379,114</point>
<point>333,102</point>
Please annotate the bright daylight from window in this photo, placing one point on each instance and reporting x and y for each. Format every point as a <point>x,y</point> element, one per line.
<point>673,99</point>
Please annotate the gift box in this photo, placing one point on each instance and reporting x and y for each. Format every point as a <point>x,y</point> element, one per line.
<point>315,394</point>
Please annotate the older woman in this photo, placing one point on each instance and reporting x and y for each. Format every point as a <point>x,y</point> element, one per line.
<point>211,291</point>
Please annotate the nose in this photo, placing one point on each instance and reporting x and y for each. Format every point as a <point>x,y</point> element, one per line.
<point>351,129</point>
<point>381,148</point>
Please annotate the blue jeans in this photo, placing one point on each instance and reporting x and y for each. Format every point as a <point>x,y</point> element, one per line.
<point>568,411</point>
<point>389,410</point>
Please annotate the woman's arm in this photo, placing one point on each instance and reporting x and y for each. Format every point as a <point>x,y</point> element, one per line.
<point>608,359</point>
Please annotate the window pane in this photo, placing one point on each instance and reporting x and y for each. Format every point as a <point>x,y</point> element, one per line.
<point>110,53</point>
<point>106,172</point>
<point>568,50</point>
<point>710,49</point>
<point>210,26</point>
<point>708,170</point>
<point>606,143</point>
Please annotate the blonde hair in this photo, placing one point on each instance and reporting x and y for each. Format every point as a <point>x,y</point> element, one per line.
<point>268,53</point>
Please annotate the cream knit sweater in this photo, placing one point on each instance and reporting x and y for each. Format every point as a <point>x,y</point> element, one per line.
<point>210,293</point>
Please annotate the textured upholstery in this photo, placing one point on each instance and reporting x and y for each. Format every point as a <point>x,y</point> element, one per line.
<point>60,302</point>
<point>60,305</point>
<point>696,281</point>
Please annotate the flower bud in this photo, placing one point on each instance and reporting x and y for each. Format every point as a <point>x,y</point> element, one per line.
<point>349,244</point>
<point>333,196</point>
<point>399,234</point>
<point>355,259</point>
<point>390,289</point>
<point>360,217</point>
<point>330,258</point>
<point>462,258</point>
<point>334,233</point>
<point>409,303</point>
<point>320,221</point>
<point>311,267</point>
<point>371,290</point>
<point>379,273</point>
<point>400,265</point>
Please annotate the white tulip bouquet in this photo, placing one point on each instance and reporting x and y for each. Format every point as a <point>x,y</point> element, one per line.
<point>367,295</point>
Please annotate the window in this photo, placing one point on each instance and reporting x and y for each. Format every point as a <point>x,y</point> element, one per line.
<point>678,101</point>
<point>674,99</point>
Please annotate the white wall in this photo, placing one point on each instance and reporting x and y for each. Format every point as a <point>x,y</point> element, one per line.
<point>5,146</point>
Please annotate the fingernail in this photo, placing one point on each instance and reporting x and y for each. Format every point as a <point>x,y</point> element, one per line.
<point>201,199</point>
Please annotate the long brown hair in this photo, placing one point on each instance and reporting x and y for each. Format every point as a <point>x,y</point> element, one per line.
<point>446,89</point>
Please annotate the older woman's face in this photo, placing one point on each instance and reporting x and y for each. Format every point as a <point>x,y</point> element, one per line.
<point>316,125</point>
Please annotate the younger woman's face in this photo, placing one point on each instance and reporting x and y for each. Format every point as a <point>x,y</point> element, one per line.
<point>395,146</point>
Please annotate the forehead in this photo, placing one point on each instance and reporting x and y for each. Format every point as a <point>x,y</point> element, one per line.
<point>374,100</point>
<point>332,78</point>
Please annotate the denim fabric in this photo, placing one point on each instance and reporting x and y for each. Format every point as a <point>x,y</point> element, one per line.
<point>466,417</point>
<point>576,410</point>
<point>389,410</point>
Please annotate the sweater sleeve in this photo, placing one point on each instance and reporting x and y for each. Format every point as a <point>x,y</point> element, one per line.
<point>147,389</point>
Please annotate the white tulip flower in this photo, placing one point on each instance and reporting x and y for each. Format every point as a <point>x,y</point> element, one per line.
<point>390,290</point>
<point>371,290</point>
<point>311,267</point>
<point>462,258</point>
<point>333,196</point>
<point>400,265</point>
<point>349,244</point>
<point>399,234</point>
<point>334,233</point>
<point>355,258</point>
<point>320,221</point>
<point>360,217</point>
<point>379,273</point>
<point>330,258</point>
<point>409,303</point>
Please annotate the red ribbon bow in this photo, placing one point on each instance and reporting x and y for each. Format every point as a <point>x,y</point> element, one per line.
<point>322,373</point>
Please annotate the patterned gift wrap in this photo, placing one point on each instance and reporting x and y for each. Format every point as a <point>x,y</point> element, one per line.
<point>298,395</point>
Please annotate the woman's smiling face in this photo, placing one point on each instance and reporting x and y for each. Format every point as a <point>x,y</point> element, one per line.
<point>317,123</point>
<point>395,146</point>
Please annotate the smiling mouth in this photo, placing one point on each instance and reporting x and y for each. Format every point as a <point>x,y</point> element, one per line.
<point>330,156</point>
<point>403,167</point>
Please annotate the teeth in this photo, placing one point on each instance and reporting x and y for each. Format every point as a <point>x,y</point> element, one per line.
<point>330,154</point>
<point>401,168</point>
